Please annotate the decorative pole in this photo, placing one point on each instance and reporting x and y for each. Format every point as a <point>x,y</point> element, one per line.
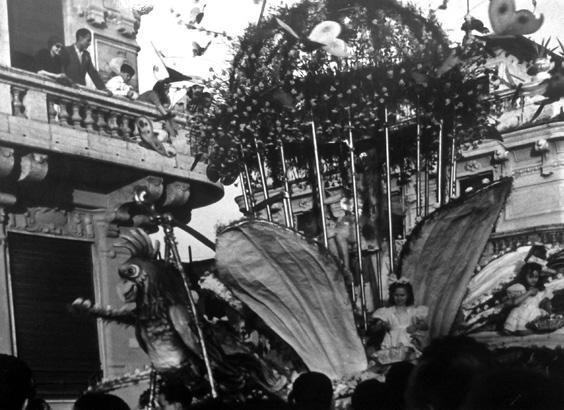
<point>166,222</point>
<point>320,187</point>
<point>357,225</point>
<point>263,181</point>
<point>427,190</point>
<point>287,199</point>
<point>452,189</point>
<point>247,177</point>
<point>152,389</point>
<point>389,190</point>
<point>419,201</point>
<point>440,167</point>
<point>244,191</point>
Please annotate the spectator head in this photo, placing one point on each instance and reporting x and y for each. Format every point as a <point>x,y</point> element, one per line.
<point>369,395</point>
<point>37,404</point>
<point>397,380</point>
<point>401,290</point>
<point>514,388</point>
<point>16,384</point>
<point>55,45</point>
<point>144,399</point>
<point>83,38</point>
<point>174,396</point>
<point>447,368</point>
<point>127,72</point>
<point>312,390</point>
<point>161,88</point>
<point>99,401</point>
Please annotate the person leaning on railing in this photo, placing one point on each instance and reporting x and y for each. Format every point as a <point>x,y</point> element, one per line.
<point>77,61</point>
<point>119,85</point>
<point>49,62</point>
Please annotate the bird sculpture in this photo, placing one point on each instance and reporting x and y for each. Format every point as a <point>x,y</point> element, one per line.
<point>158,308</point>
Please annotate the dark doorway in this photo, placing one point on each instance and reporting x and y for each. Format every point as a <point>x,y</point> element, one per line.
<point>31,24</point>
<point>47,274</point>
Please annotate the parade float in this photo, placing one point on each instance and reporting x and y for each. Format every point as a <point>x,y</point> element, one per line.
<point>348,124</point>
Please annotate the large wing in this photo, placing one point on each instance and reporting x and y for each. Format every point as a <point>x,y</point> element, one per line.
<point>296,289</point>
<point>442,252</point>
<point>183,325</point>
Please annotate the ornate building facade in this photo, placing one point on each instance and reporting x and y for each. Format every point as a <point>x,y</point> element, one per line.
<point>70,163</point>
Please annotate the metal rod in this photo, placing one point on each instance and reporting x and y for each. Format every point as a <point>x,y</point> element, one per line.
<point>357,225</point>
<point>263,181</point>
<point>244,191</point>
<point>249,187</point>
<point>379,278</point>
<point>418,201</point>
<point>169,237</point>
<point>389,190</point>
<point>427,190</point>
<point>261,12</point>
<point>288,212</point>
<point>452,189</point>
<point>440,167</point>
<point>320,187</point>
<point>152,388</point>
<point>247,177</point>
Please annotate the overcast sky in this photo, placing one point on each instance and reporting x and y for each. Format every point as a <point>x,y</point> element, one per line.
<point>166,31</point>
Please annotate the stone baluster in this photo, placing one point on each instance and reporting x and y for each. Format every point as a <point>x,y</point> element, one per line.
<point>52,111</point>
<point>125,128</point>
<point>101,121</point>
<point>113,125</point>
<point>88,118</point>
<point>17,101</point>
<point>76,119</point>
<point>136,136</point>
<point>64,114</point>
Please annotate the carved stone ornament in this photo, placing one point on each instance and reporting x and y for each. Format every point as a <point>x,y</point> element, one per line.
<point>96,17</point>
<point>472,166</point>
<point>127,28</point>
<point>54,221</point>
<point>500,155</point>
<point>177,194</point>
<point>34,167</point>
<point>6,161</point>
<point>541,146</point>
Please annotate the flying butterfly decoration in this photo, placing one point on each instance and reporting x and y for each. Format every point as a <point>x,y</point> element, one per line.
<point>324,35</point>
<point>506,20</point>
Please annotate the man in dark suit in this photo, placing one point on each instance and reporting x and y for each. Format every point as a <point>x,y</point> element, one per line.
<point>77,61</point>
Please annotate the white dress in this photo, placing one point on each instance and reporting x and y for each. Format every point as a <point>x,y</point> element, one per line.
<point>526,312</point>
<point>398,343</point>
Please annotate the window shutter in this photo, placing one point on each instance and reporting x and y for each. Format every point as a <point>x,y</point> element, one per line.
<point>47,275</point>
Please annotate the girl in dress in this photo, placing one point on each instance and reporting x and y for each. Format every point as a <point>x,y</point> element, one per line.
<point>404,323</point>
<point>530,298</point>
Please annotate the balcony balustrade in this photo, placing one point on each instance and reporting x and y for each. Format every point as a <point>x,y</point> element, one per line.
<point>45,115</point>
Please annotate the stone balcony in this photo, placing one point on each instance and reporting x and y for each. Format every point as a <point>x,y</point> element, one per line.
<point>47,129</point>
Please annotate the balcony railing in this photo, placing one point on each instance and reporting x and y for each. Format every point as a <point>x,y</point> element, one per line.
<point>44,115</point>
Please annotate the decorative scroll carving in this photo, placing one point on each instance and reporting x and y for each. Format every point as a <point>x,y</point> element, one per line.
<point>127,28</point>
<point>53,221</point>
<point>96,17</point>
<point>34,167</point>
<point>177,194</point>
<point>7,199</point>
<point>6,161</point>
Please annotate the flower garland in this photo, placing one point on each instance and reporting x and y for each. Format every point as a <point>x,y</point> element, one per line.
<point>399,59</point>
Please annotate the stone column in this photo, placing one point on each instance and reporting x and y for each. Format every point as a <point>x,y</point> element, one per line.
<point>6,329</point>
<point>5,59</point>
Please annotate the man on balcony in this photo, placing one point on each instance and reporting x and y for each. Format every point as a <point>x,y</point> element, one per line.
<point>77,61</point>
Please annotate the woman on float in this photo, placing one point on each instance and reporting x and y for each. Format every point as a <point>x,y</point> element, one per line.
<point>405,325</point>
<point>530,298</point>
